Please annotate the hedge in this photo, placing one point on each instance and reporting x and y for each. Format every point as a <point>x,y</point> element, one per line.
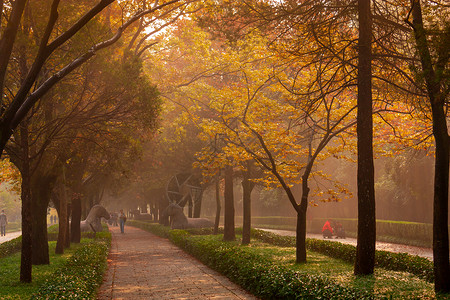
<point>420,266</point>
<point>408,233</point>
<point>10,247</point>
<point>81,275</point>
<point>258,274</point>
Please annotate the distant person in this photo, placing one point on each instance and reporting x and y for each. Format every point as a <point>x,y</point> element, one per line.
<point>327,230</point>
<point>122,220</point>
<point>3,223</point>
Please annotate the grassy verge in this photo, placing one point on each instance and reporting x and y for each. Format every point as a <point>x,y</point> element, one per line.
<point>10,247</point>
<point>74,275</point>
<point>267,267</point>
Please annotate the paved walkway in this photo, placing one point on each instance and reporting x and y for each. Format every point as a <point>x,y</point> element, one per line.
<point>144,266</point>
<point>9,236</point>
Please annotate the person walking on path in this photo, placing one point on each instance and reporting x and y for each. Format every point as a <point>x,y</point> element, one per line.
<point>122,220</point>
<point>142,265</point>
<point>3,223</point>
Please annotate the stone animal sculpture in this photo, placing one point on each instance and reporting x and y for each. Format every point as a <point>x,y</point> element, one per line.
<point>180,221</point>
<point>93,220</point>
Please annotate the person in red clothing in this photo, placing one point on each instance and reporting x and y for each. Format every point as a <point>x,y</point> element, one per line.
<point>327,230</point>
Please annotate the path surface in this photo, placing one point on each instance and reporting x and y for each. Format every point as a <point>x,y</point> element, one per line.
<point>144,266</point>
<point>9,236</point>
<point>423,252</point>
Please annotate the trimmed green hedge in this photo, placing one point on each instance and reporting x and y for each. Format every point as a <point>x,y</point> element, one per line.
<point>10,247</point>
<point>409,233</point>
<point>53,236</point>
<point>155,228</point>
<point>414,264</point>
<point>81,275</point>
<point>258,274</point>
<point>252,271</point>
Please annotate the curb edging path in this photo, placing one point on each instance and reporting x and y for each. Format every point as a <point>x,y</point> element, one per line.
<point>142,265</point>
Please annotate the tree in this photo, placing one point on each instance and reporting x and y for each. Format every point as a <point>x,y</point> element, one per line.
<point>435,72</point>
<point>21,101</point>
<point>365,250</point>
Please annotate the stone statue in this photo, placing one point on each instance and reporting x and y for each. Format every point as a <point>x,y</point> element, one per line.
<point>93,220</point>
<point>180,221</point>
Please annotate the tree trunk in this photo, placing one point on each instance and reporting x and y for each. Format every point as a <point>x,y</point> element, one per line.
<point>218,207</point>
<point>440,133</point>
<point>198,205</point>
<point>67,237</point>
<point>41,189</point>
<point>26,254</point>
<point>365,250</point>
<point>40,238</point>
<point>189,204</point>
<point>62,215</point>
<point>301,221</point>
<point>228,228</point>
<point>440,208</point>
<point>75,232</point>
<point>247,188</point>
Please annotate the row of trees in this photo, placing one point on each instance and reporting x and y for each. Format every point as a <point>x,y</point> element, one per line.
<point>284,85</point>
<point>72,121</point>
<point>267,88</point>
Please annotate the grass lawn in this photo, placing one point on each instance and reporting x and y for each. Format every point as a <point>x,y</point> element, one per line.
<point>383,284</point>
<point>11,288</point>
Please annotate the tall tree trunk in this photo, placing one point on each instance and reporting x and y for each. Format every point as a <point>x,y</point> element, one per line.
<point>440,132</point>
<point>301,222</point>
<point>189,204</point>
<point>40,238</point>
<point>218,207</point>
<point>41,189</point>
<point>62,215</point>
<point>67,237</point>
<point>26,254</point>
<point>365,249</point>
<point>228,228</point>
<point>198,204</point>
<point>247,188</point>
<point>75,232</point>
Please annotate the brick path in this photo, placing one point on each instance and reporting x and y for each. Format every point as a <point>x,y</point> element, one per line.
<point>144,266</point>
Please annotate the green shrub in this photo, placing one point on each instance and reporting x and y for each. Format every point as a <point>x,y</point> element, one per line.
<point>416,265</point>
<point>81,275</point>
<point>158,229</point>
<point>413,264</point>
<point>259,274</point>
<point>10,247</point>
<point>409,233</point>
<point>53,236</point>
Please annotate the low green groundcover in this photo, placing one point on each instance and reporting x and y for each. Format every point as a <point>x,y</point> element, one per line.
<point>10,247</point>
<point>81,275</point>
<point>255,269</point>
